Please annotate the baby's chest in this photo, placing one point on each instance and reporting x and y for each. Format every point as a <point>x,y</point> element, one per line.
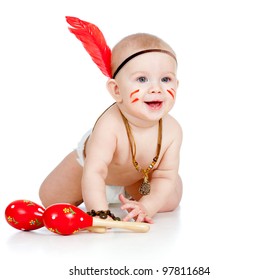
<point>142,155</point>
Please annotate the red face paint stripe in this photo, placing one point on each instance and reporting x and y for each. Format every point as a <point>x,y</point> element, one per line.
<point>172,94</point>
<point>135,100</point>
<point>133,92</point>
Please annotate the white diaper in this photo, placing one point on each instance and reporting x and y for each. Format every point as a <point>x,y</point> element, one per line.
<point>112,192</point>
<point>80,148</point>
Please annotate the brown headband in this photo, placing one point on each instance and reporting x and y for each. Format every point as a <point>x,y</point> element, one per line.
<point>139,53</point>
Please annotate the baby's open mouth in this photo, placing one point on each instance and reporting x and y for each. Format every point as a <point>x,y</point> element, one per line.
<point>154,105</point>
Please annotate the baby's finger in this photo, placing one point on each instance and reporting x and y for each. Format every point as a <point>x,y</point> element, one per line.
<point>131,215</point>
<point>141,217</point>
<point>128,205</point>
<point>122,199</point>
<point>148,220</point>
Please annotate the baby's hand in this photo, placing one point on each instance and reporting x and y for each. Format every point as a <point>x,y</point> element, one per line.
<point>136,210</point>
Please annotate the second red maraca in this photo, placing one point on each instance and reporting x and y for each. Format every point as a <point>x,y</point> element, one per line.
<point>66,219</point>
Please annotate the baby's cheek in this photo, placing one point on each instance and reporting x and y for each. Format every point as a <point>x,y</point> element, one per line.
<point>172,92</point>
<point>133,97</point>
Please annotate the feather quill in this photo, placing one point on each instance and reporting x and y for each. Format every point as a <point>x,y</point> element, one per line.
<point>93,42</point>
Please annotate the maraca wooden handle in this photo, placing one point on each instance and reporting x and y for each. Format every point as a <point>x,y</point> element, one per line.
<point>134,226</point>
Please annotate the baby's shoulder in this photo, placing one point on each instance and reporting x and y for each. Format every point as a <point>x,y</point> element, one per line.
<point>172,126</point>
<point>109,121</point>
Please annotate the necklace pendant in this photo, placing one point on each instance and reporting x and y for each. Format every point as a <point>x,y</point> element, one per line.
<point>145,187</point>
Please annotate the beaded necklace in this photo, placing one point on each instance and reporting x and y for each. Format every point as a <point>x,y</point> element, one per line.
<point>145,187</point>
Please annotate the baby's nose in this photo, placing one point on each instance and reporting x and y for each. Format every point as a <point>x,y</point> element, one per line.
<point>155,88</point>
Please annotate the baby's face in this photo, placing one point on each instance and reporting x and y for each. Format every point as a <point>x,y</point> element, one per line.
<point>148,85</point>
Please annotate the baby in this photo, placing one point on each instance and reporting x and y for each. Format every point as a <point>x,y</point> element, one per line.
<point>134,148</point>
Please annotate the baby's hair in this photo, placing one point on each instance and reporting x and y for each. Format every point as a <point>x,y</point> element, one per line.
<point>134,43</point>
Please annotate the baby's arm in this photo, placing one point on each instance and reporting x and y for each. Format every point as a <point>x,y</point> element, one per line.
<point>99,153</point>
<point>165,186</point>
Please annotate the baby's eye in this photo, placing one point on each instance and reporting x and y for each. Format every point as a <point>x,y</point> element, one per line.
<point>165,79</point>
<point>142,79</point>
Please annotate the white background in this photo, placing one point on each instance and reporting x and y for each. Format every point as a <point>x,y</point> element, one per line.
<point>51,93</point>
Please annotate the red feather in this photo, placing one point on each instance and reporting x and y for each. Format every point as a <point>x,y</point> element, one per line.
<point>93,42</point>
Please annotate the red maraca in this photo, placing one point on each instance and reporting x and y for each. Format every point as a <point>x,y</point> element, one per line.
<point>66,219</point>
<point>24,215</point>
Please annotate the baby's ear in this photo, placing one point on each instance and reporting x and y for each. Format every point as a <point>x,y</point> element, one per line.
<point>113,88</point>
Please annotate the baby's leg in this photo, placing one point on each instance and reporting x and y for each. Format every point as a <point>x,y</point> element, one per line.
<point>63,184</point>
